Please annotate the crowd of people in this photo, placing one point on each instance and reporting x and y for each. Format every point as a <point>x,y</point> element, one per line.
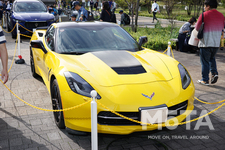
<point>80,13</point>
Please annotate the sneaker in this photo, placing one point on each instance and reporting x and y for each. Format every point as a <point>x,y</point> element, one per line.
<point>214,78</point>
<point>203,82</point>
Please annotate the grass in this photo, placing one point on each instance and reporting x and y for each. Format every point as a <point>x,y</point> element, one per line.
<point>158,37</point>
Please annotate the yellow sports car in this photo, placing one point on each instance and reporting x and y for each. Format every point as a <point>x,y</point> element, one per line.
<point>75,58</point>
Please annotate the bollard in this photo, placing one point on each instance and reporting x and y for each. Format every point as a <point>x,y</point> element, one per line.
<point>3,21</point>
<point>168,49</point>
<point>20,60</point>
<point>60,19</point>
<point>94,128</point>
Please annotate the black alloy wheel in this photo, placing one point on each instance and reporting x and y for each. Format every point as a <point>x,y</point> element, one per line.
<point>57,105</point>
<point>32,65</point>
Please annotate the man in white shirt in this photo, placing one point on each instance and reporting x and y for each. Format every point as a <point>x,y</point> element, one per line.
<point>114,6</point>
<point>155,9</point>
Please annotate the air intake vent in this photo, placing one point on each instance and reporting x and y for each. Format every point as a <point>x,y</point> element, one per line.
<point>129,70</point>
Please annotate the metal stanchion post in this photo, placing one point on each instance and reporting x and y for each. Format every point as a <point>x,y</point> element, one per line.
<point>94,129</point>
<point>3,21</point>
<point>60,19</point>
<point>20,60</point>
<point>168,49</point>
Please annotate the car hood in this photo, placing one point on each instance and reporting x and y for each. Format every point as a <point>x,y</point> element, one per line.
<point>33,16</point>
<point>110,68</point>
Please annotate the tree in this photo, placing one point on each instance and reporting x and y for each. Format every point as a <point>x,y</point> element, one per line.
<point>223,3</point>
<point>170,5</point>
<point>195,5</point>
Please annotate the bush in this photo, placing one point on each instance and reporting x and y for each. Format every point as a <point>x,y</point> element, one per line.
<point>158,37</point>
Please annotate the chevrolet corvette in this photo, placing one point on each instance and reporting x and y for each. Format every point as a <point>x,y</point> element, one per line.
<point>74,58</point>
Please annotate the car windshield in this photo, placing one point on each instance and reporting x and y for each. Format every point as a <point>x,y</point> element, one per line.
<point>95,38</point>
<point>29,7</point>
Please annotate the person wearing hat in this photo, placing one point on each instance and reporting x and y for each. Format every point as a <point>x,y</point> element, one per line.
<point>82,12</point>
<point>125,19</point>
<point>73,17</point>
<point>209,44</point>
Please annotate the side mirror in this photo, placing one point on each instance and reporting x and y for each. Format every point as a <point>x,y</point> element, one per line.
<point>38,44</point>
<point>142,40</point>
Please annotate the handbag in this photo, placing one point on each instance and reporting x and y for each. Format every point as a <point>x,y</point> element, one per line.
<point>200,31</point>
<point>193,39</point>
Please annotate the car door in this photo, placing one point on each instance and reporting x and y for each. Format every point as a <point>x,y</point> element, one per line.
<point>41,57</point>
<point>50,44</point>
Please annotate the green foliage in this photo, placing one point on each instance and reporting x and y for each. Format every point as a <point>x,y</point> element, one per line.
<point>158,37</point>
<point>223,3</point>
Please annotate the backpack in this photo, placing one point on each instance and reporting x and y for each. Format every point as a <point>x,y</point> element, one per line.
<point>126,19</point>
<point>90,16</point>
<point>155,8</point>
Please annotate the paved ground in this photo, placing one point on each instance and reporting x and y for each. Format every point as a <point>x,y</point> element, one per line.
<point>23,127</point>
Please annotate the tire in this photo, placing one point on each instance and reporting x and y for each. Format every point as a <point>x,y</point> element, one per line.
<point>8,28</point>
<point>32,65</point>
<point>13,35</point>
<point>57,105</point>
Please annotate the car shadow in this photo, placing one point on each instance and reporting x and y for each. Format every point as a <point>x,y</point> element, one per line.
<point>15,133</point>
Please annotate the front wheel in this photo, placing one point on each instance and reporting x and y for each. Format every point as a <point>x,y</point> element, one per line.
<point>57,105</point>
<point>14,35</point>
<point>32,65</point>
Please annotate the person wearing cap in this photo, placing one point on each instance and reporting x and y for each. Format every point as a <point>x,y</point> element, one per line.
<point>124,18</point>
<point>73,17</point>
<point>82,12</point>
<point>155,9</point>
<point>209,44</point>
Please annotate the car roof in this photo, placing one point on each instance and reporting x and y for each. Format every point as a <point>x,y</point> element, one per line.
<point>88,24</point>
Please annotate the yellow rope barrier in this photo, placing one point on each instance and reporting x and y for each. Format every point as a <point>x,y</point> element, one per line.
<point>7,31</point>
<point>66,109</point>
<point>25,28</point>
<point>25,35</point>
<point>164,124</point>
<point>208,102</point>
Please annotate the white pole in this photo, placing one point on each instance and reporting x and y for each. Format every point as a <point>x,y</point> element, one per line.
<point>60,19</point>
<point>94,129</point>
<point>18,38</point>
<point>168,49</point>
<point>18,34</point>
<point>3,20</point>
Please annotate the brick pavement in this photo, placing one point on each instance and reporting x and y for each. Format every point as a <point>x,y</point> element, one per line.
<point>23,127</point>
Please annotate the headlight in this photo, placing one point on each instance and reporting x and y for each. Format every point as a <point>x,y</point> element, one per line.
<point>185,77</point>
<point>18,20</point>
<point>52,20</point>
<point>78,85</point>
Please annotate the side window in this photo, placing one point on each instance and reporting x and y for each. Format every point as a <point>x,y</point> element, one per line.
<point>49,38</point>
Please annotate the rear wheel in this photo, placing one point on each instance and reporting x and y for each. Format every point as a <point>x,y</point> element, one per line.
<point>57,105</point>
<point>32,65</point>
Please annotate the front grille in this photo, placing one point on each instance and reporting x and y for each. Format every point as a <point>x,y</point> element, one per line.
<point>35,24</point>
<point>178,109</point>
<point>109,118</point>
